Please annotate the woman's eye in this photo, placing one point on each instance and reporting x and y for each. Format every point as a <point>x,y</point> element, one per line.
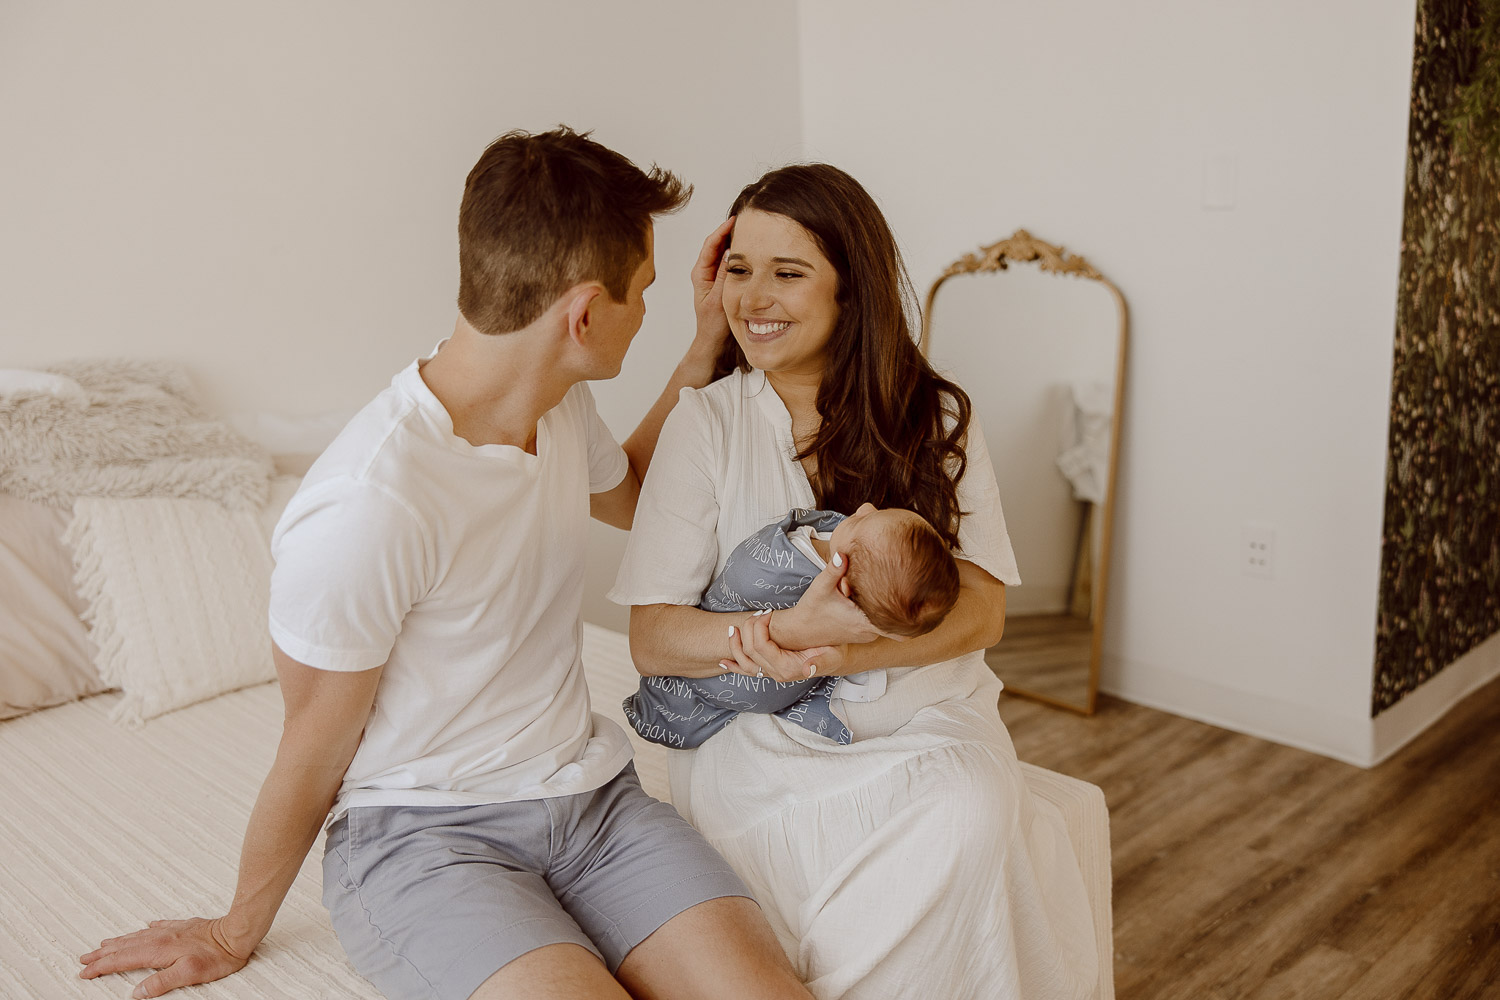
<point>787,274</point>
<point>736,269</point>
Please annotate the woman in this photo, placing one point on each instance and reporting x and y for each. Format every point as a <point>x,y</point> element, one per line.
<point>911,862</point>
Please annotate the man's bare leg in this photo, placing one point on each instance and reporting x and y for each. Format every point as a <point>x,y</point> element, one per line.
<point>555,972</point>
<point>719,949</point>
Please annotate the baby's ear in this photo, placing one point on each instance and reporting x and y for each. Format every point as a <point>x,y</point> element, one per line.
<point>849,553</point>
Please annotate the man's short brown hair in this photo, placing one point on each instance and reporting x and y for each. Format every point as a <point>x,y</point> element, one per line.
<point>542,213</point>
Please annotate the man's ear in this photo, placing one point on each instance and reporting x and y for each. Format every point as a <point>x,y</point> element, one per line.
<point>580,311</point>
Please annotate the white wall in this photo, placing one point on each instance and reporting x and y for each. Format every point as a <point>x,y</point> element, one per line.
<point>1262,335</point>
<point>269,192</point>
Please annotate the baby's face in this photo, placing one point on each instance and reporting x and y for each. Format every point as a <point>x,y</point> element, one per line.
<point>869,527</point>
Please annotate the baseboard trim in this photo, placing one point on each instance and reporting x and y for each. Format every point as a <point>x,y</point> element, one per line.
<point>1361,741</point>
<point>1345,738</point>
<point>1410,717</point>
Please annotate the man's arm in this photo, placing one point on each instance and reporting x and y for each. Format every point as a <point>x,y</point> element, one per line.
<point>617,506</point>
<point>326,713</point>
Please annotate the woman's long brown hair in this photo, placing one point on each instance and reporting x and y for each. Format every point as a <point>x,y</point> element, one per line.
<point>882,438</point>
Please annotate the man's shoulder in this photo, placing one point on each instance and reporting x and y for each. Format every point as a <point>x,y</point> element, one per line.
<point>383,434</point>
<point>374,460</point>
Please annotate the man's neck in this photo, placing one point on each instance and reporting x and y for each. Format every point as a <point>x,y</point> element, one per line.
<point>496,387</point>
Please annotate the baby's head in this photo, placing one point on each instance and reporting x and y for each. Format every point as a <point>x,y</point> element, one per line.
<point>901,574</point>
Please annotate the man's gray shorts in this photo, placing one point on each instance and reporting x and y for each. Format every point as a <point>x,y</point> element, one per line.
<point>429,902</point>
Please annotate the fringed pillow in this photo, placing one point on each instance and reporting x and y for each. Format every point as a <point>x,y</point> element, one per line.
<point>177,593</point>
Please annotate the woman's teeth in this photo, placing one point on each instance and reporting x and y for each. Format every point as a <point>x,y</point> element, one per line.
<point>765,329</point>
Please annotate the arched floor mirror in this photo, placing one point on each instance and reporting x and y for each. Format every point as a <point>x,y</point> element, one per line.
<point>1041,350</point>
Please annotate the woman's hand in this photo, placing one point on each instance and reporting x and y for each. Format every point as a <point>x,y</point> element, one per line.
<point>756,654</point>
<point>824,616</point>
<point>708,292</point>
<point>187,952</point>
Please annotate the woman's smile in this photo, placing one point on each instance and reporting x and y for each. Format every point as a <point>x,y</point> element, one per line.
<point>764,331</point>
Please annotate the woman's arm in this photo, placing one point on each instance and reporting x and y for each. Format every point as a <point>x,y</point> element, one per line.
<point>682,641</point>
<point>976,622</point>
<point>677,640</point>
<point>696,369</point>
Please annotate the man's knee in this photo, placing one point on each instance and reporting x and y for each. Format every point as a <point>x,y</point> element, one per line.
<point>721,948</point>
<point>552,971</point>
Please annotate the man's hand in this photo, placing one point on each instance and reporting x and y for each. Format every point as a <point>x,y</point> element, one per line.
<point>187,952</point>
<point>324,722</point>
<point>708,292</point>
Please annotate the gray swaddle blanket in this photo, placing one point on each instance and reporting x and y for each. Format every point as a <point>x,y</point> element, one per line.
<point>764,571</point>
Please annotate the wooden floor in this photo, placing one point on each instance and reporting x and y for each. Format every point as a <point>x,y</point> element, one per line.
<point>1245,869</point>
<point>1046,655</point>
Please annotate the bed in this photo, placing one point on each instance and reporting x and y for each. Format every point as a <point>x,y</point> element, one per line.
<point>130,805</point>
<point>104,827</point>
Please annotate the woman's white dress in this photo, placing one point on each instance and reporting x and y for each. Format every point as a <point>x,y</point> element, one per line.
<point>912,862</point>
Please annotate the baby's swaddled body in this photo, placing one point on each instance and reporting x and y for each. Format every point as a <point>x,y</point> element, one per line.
<point>768,570</point>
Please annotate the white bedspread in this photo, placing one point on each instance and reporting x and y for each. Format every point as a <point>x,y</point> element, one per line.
<point>103,828</point>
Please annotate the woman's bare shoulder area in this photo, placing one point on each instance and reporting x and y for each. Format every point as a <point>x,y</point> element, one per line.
<point>721,402</point>
<point>729,389</point>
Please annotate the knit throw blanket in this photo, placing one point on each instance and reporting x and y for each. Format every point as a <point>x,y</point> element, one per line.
<point>136,431</point>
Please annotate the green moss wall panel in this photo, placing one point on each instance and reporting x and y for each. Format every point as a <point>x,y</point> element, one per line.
<point>1440,565</point>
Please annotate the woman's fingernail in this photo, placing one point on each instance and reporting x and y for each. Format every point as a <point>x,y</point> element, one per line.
<point>838,560</point>
<point>724,666</point>
<point>731,631</point>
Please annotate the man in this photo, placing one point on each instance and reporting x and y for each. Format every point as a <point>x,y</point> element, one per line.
<point>489,836</point>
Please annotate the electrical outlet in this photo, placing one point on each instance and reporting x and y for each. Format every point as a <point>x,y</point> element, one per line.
<point>1258,549</point>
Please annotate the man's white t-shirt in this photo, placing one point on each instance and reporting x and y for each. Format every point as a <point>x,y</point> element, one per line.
<point>459,567</point>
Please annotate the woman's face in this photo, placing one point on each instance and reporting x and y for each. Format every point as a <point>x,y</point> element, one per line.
<point>780,294</point>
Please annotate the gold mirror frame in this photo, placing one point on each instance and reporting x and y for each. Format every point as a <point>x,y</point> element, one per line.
<point>1022,247</point>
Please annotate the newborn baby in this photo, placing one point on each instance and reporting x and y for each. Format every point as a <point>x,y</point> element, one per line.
<point>901,575</point>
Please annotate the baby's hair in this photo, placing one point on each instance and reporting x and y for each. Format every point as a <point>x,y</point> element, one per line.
<point>908,585</point>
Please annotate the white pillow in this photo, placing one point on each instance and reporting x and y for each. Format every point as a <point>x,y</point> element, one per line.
<point>18,382</point>
<point>286,435</point>
<point>45,654</point>
<point>177,595</point>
